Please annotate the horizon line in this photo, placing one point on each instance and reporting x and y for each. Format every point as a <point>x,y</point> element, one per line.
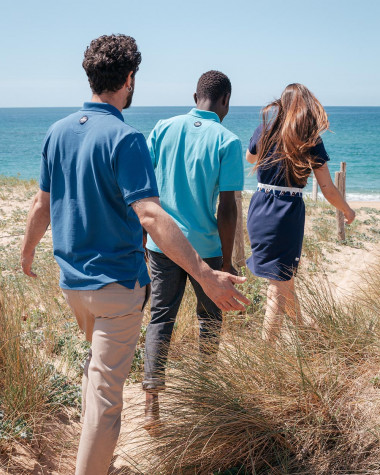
<point>135,107</point>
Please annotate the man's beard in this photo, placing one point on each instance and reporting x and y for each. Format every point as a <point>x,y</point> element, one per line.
<point>129,100</point>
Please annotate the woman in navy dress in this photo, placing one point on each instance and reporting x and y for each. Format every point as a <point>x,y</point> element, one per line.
<point>285,148</point>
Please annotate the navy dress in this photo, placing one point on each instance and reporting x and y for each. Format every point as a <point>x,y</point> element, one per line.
<point>276,222</point>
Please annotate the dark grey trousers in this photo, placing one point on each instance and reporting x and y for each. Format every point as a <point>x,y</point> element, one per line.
<point>168,287</point>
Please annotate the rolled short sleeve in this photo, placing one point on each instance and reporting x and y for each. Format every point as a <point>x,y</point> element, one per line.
<point>45,177</point>
<point>252,147</point>
<point>134,170</point>
<point>318,152</point>
<point>231,175</point>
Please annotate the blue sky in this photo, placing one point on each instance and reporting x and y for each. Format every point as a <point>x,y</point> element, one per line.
<point>332,46</point>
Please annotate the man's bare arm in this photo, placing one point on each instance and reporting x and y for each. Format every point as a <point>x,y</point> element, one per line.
<point>226,219</point>
<point>219,286</point>
<point>37,223</point>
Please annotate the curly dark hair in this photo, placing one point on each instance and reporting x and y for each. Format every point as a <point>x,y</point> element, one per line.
<point>108,61</point>
<point>213,85</point>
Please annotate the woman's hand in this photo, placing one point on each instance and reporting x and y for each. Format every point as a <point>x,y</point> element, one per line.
<point>349,215</point>
<point>332,194</point>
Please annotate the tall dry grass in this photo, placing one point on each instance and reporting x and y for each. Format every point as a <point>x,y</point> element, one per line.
<point>24,376</point>
<point>309,404</point>
<point>39,388</point>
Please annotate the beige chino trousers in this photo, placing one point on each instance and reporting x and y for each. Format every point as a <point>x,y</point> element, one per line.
<point>111,319</point>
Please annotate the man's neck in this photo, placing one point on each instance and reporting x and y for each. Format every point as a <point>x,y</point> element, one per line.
<point>207,105</point>
<point>113,99</point>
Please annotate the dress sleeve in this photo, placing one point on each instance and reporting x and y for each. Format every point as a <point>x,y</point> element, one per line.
<point>134,170</point>
<point>318,152</point>
<point>252,147</point>
<point>231,174</point>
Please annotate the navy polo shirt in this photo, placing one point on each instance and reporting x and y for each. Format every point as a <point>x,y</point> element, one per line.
<point>95,166</point>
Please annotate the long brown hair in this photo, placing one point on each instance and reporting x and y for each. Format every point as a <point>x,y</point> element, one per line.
<point>291,126</point>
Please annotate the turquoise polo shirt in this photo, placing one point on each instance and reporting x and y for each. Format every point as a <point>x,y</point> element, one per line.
<point>194,158</point>
<point>95,166</point>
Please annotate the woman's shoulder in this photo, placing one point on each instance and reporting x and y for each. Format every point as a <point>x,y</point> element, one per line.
<point>259,130</point>
<point>319,153</point>
<point>252,147</point>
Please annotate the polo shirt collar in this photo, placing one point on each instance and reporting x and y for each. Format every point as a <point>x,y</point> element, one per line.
<point>103,107</point>
<point>204,114</point>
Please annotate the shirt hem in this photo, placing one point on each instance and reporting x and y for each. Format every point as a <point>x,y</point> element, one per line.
<point>141,194</point>
<point>232,188</point>
<point>130,284</point>
<point>319,165</point>
<point>271,275</point>
<point>44,188</point>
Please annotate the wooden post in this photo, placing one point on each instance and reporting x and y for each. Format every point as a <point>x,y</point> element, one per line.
<point>343,167</point>
<point>339,183</point>
<point>238,257</point>
<point>314,195</point>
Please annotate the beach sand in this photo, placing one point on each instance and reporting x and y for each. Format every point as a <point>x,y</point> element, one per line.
<point>364,204</point>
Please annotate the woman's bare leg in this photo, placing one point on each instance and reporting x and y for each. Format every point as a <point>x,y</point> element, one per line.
<point>281,299</point>
<point>292,305</point>
<point>275,311</point>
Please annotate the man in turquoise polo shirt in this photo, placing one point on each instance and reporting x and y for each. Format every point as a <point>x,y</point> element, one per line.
<point>98,188</point>
<point>196,160</point>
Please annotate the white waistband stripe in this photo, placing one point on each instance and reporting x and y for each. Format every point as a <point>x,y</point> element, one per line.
<point>280,188</point>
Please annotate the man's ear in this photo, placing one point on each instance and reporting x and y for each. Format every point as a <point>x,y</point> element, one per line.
<point>195,98</point>
<point>226,99</point>
<point>129,81</point>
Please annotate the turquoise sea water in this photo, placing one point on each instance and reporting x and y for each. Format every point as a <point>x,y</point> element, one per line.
<point>355,138</point>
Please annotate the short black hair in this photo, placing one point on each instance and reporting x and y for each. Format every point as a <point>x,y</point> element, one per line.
<point>108,61</point>
<point>213,85</point>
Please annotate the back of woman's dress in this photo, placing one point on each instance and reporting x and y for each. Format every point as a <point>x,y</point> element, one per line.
<point>276,217</point>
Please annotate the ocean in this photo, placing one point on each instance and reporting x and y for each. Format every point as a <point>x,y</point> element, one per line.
<point>354,138</point>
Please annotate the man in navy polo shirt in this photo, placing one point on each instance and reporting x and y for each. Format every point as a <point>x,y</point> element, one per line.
<point>97,187</point>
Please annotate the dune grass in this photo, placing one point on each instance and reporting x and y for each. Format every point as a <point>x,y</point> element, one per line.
<point>306,405</point>
<point>40,351</point>
<point>309,404</point>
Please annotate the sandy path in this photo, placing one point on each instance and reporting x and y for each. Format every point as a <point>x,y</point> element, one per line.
<point>349,265</point>
<point>365,204</point>
<point>346,272</point>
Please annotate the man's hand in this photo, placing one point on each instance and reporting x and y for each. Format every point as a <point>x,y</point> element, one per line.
<point>26,264</point>
<point>219,286</point>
